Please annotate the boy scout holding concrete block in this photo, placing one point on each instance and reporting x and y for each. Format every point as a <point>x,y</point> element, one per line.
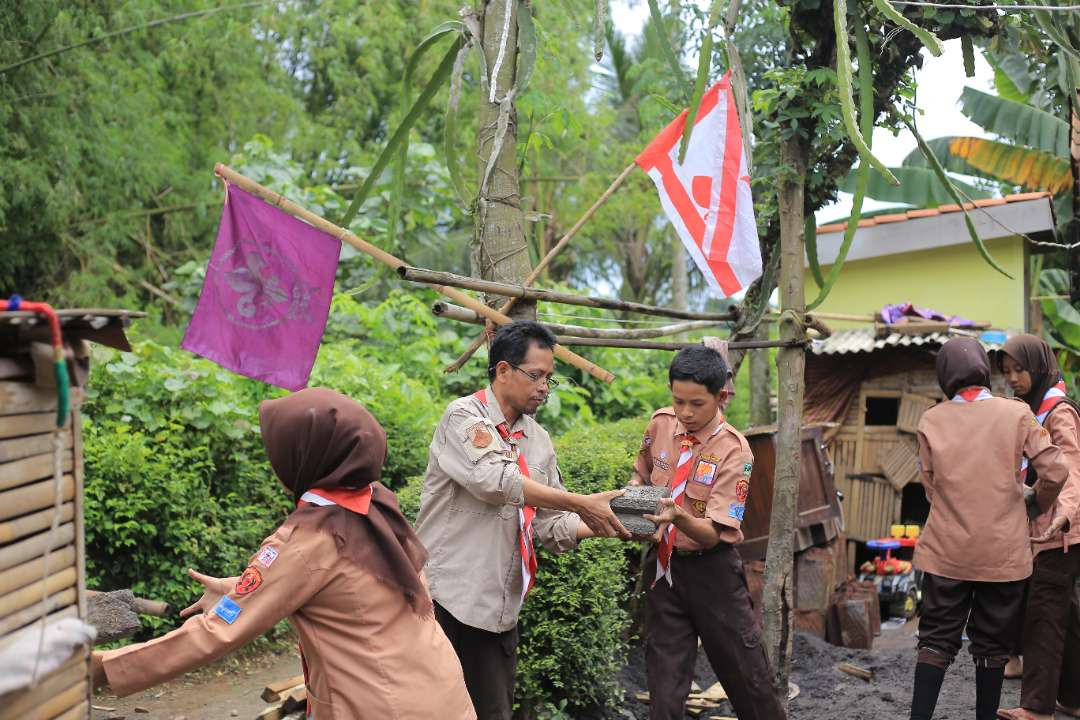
<point>698,588</point>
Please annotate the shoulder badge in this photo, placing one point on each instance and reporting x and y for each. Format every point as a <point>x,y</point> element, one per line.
<point>267,556</point>
<point>479,435</point>
<point>742,490</point>
<point>249,582</point>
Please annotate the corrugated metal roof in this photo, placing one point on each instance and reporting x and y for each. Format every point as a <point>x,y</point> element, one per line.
<point>859,341</point>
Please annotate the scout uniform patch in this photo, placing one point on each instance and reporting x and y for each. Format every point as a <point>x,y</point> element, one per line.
<point>249,582</point>
<point>736,511</point>
<point>699,506</point>
<point>479,435</point>
<point>226,609</point>
<point>660,461</point>
<point>747,468</point>
<point>705,473</point>
<point>267,556</point>
<point>742,489</point>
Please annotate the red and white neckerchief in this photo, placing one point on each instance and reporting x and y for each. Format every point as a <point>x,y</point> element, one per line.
<point>526,513</point>
<point>1052,397</point>
<point>972,394</point>
<point>678,492</point>
<point>356,500</point>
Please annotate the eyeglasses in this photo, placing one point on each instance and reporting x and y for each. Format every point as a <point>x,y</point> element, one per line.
<point>550,380</point>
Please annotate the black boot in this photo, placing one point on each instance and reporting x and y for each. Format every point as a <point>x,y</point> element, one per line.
<point>928,679</point>
<point>988,682</point>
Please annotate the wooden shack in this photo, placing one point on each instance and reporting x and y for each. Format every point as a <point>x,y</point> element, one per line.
<point>42,556</point>
<point>869,389</point>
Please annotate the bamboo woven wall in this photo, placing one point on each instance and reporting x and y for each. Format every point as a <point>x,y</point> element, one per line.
<point>27,509</point>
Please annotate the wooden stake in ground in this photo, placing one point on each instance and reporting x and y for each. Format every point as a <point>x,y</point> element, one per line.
<point>542,265</point>
<point>790,362</point>
<point>267,195</point>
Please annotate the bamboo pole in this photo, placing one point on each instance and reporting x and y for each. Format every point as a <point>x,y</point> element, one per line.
<point>28,594</point>
<point>32,570</point>
<point>23,550</point>
<point>453,312</point>
<point>435,277</point>
<point>267,195</point>
<point>29,614</point>
<point>545,261</point>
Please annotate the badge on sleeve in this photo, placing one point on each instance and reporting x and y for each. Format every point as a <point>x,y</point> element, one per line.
<point>226,609</point>
<point>267,556</point>
<point>705,473</point>
<point>699,506</point>
<point>479,435</point>
<point>747,468</point>
<point>249,582</point>
<point>742,490</point>
<point>736,511</point>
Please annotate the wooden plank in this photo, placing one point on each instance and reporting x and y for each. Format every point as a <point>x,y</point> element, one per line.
<point>63,702</point>
<point>275,690</point>
<point>855,670</point>
<point>912,407</point>
<point>23,704</point>
<point>80,529</point>
<point>30,614</point>
<point>26,525</point>
<point>32,570</point>
<point>19,397</point>
<point>79,712</point>
<point>28,595</point>
<point>29,424</point>
<point>35,496</point>
<point>900,465</point>
<point>20,447</point>
<point>20,472</point>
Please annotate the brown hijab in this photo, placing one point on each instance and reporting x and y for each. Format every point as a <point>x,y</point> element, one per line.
<point>318,438</point>
<point>1034,355</point>
<point>962,362</point>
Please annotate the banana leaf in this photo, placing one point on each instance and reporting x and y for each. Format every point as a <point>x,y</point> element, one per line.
<point>918,186</point>
<point>993,160</point>
<point>1016,121</point>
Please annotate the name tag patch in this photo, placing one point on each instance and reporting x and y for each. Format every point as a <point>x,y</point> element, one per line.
<point>736,511</point>
<point>705,473</point>
<point>267,556</point>
<point>227,610</point>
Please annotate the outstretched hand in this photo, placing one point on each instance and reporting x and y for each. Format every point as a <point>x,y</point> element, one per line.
<point>1058,524</point>
<point>214,589</point>
<point>595,511</point>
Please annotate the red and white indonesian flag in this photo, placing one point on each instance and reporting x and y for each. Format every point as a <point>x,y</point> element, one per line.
<point>707,198</point>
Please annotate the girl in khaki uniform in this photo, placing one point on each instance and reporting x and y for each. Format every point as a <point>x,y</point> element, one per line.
<point>344,568</point>
<point>974,549</point>
<point>1052,618</point>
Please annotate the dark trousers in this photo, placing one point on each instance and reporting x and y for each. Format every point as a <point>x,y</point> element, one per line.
<point>991,611</point>
<point>488,660</point>
<point>710,601</point>
<point>1052,633</point>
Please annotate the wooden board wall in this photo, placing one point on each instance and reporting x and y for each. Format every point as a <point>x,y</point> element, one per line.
<point>27,510</point>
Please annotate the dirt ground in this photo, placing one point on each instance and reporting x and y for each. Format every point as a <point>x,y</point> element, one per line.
<point>231,688</point>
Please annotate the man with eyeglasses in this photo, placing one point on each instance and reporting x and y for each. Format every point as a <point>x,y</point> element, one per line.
<point>492,483</point>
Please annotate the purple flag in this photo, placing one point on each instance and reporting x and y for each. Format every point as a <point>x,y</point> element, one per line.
<point>263,306</point>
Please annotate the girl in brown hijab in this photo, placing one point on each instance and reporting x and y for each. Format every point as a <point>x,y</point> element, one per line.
<point>344,568</point>
<point>974,550</point>
<point>1051,638</point>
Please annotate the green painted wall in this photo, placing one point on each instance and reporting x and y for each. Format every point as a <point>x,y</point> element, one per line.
<point>953,280</point>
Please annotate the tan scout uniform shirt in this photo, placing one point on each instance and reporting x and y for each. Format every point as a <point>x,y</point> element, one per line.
<point>970,456</point>
<point>719,480</point>
<point>1063,424</point>
<point>369,656</point>
<point>468,517</point>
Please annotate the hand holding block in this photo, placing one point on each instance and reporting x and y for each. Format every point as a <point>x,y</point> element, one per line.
<point>639,500</point>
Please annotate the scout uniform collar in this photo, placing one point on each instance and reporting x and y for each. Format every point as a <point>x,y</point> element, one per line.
<point>710,429</point>
<point>495,413</point>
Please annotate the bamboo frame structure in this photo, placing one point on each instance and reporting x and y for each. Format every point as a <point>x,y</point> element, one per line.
<point>435,277</point>
<point>245,183</point>
<point>454,312</point>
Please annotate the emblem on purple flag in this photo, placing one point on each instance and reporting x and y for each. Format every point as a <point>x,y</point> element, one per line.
<point>263,306</point>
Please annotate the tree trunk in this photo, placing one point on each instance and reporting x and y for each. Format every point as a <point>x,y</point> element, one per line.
<point>500,248</point>
<point>760,381</point>
<point>790,363</point>
<point>1074,161</point>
